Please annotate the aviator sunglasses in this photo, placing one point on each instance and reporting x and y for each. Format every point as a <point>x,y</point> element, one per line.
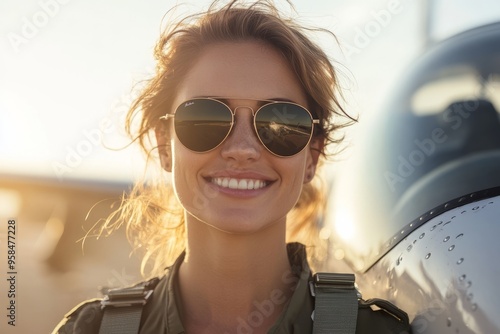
<point>202,124</point>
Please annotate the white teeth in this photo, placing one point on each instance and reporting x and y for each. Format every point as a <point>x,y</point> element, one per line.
<point>233,184</point>
<point>242,184</point>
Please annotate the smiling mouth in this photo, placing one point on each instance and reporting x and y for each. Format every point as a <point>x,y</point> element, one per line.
<point>240,184</point>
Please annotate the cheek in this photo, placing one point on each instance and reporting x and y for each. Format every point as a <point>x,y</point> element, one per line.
<point>185,163</point>
<point>293,170</point>
<point>183,170</point>
<point>181,156</point>
<point>189,187</point>
<point>183,183</point>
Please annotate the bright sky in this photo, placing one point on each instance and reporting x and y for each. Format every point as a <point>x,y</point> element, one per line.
<point>67,68</point>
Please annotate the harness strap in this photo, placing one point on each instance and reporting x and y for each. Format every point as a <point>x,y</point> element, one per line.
<point>336,305</point>
<point>123,308</point>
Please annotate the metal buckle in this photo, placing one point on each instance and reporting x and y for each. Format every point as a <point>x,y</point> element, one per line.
<point>332,281</point>
<point>127,297</point>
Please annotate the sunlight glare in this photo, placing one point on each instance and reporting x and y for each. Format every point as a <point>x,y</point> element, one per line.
<point>344,224</point>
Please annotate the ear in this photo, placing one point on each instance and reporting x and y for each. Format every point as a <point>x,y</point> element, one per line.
<point>315,148</point>
<point>164,150</point>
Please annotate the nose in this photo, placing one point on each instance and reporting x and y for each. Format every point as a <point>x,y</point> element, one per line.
<point>242,144</point>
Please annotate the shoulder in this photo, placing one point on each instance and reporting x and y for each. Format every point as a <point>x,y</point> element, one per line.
<point>380,316</point>
<point>84,318</point>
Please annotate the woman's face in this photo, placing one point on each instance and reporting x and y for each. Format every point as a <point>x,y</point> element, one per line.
<point>204,182</point>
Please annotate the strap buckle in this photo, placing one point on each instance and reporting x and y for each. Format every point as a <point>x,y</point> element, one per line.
<point>332,281</point>
<point>132,296</point>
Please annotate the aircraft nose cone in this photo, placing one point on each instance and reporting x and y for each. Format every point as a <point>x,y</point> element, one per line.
<point>441,274</point>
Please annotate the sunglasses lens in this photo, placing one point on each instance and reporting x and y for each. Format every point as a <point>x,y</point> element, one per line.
<point>284,128</point>
<point>202,124</point>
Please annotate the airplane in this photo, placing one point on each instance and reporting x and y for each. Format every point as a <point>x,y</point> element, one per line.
<point>415,208</point>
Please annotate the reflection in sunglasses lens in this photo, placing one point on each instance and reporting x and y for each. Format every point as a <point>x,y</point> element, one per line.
<point>284,128</point>
<point>201,125</point>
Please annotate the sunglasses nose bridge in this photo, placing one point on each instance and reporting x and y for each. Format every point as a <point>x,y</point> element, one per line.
<point>242,142</point>
<point>242,118</point>
<point>243,107</point>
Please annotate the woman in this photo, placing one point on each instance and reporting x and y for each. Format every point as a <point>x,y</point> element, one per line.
<point>242,107</point>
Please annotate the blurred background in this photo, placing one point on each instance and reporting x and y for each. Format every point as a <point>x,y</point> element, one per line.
<point>67,74</point>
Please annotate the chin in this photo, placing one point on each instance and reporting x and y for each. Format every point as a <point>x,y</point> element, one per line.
<point>241,227</point>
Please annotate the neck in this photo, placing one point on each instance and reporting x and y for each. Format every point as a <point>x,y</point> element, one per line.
<point>225,277</point>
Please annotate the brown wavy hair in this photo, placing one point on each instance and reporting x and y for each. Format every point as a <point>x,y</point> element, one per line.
<point>152,215</point>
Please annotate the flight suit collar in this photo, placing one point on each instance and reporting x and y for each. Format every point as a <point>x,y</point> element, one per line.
<point>295,318</point>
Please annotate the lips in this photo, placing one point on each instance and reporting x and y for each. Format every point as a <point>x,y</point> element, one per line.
<point>240,184</point>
